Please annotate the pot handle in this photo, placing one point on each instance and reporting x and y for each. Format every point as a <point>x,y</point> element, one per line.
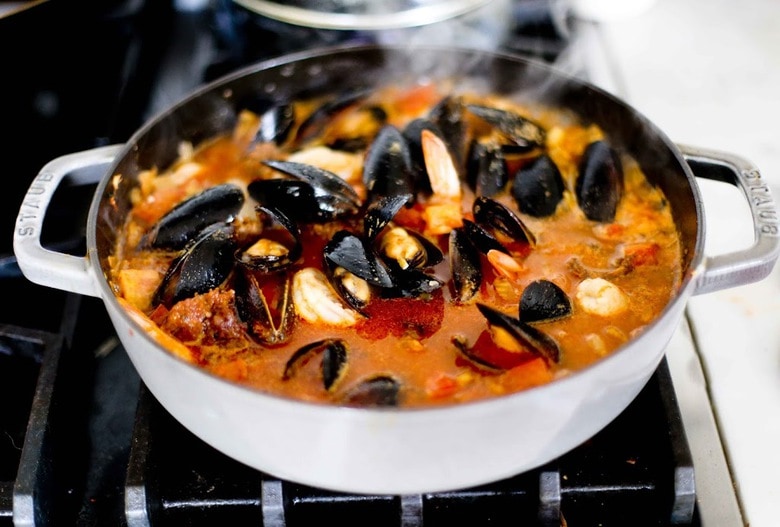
<point>755,262</point>
<point>44,266</point>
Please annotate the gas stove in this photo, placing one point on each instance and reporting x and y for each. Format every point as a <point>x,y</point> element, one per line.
<point>86,444</point>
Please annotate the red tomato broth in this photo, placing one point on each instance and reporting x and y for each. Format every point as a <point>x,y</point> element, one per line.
<point>412,339</point>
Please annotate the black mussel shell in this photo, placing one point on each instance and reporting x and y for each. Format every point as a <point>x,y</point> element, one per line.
<point>538,187</point>
<point>334,360</point>
<point>316,122</point>
<point>387,170</point>
<point>336,277</point>
<point>467,352</point>
<point>324,180</point>
<point>350,252</point>
<point>526,133</point>
<point>483,240</point>
<point>381,390</point>
<point>529,337</point>
<point>448,117</point>
<point>412,283</point>
<point>276,124</point>
<point>269,325</point>
<point>543,300</point>
<point>183,223</point>
<point>486,169</point>
<point>412,133</point>
<point>276,119</point>
<point>428,255</point>
<point>600,182</point>
<point>491,213</point>
<point>301,201</point>
<point>295,198</point>
<point>465,265</point>
<point>381,212</point>
<point>203,265</point>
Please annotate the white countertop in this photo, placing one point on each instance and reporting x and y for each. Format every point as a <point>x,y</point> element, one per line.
<point>708,74</point>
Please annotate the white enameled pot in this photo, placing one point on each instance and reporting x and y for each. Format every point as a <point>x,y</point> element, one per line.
<point>395,451</point>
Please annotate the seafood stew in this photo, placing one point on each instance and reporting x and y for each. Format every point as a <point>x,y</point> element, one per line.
<point>400,246</point>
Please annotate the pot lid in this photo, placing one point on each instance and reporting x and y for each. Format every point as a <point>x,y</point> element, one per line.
<point>361,14</point>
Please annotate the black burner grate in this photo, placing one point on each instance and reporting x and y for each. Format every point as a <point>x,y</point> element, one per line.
<point>637,471</point>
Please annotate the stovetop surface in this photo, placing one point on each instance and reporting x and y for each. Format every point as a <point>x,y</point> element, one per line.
<point>86,444</point>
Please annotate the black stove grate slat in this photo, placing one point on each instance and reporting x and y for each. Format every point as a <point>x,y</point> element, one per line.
<point>628,474</point>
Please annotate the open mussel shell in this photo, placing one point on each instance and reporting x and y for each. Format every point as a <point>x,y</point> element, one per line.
<point>403,248</point>
<point>269,325</point>
<point>349,251</point>
<point>526,133</point>
<point>468,353</point>
<point>301,201</point>
<point>412,283</point>
<point>412,133</point>
<point>316,122</point>
<point>380,390</point>
<point>486,169</point>
<point>319,178</point>
<point>387,169</point>
<point>183,223</point>
<point>491,213</point>
<point>482,239</point>
<point>381,212</point>
<point>527,336</point>
<point>447,114</point>
<point>334,360</point>
<point>465,265</point>
<point>543,300</point>
<point>259,258</point>
<point>538,187</point>
<point>276,118</point>
<point>599,186</point>
<point>203,265</point>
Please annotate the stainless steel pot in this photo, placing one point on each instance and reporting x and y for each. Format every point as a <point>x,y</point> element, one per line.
<point>395,451</point>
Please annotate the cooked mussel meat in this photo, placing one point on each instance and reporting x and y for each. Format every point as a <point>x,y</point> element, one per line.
<point>179,226</point>
<point>405,249</point>
<point>538,187</point>
<point>278,247</point>
<point>599,185</point>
